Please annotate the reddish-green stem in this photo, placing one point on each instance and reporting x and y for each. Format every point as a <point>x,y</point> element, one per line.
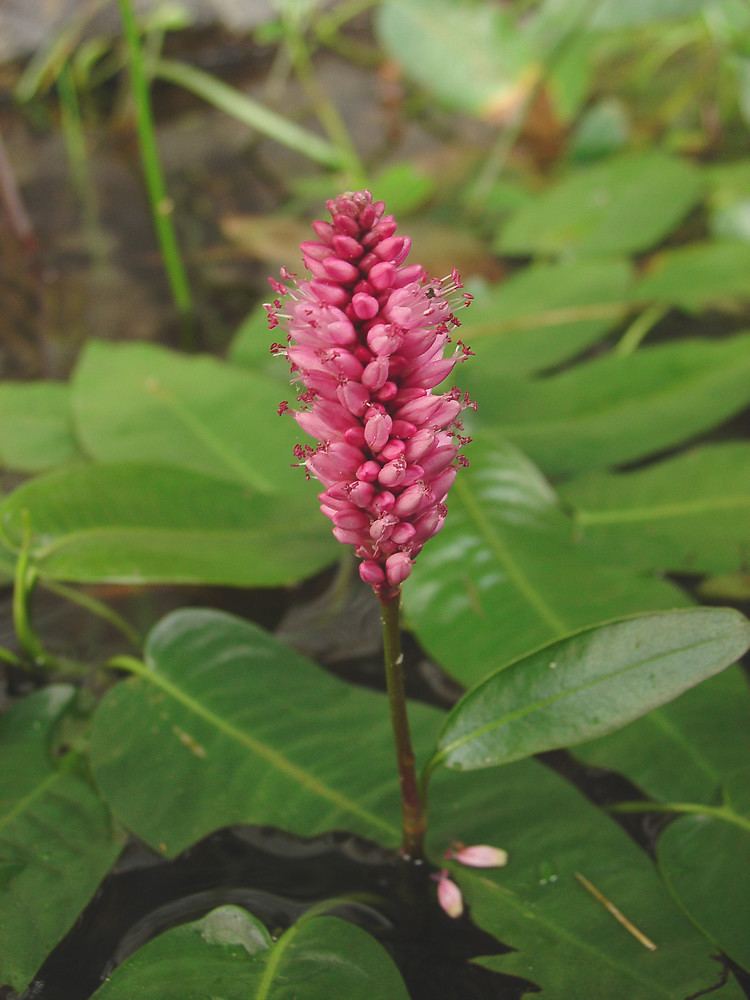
<point>414,820</point>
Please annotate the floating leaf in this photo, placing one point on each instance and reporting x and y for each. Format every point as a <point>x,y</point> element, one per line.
<point>505,575</point>
<point>564,940</point>
<point>705,859</point>
<point>230,953</point>
<point>684,750</point>
<point>616,409</point>
<point>623,205</point>
<point>688,514</point>
<point>698,276</point>
<point>56,840</point>
<point>150,524</point>
<point>545,314</point>
<point>589,684</point>
<point>248,732</point>
<point>36,430</point>
<point>467,52</point>
<point>142,403</point>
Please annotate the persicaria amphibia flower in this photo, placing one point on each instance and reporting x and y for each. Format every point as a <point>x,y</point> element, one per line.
<point>366,335</point>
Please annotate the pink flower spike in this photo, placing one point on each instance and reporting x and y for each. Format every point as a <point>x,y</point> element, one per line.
<point>480,856</point>
<point>366,333</point>
<point>449,896</point>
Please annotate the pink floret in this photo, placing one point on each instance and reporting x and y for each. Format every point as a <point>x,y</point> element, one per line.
<point>366,337</point>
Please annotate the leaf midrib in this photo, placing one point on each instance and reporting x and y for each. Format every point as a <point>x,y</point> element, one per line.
<point>509,896</point>
<point>523,585</point>
<point>520,713</point>
<point>265,752</point>
<point>605,409</point>
<point>654,512</point>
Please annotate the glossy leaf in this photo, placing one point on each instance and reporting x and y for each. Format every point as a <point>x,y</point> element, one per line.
<point>698,276</point>
<point>142,403</point>
<point>705,859</point>
<point>505,574</point>
<point>620,206</point>
<point>565,941</point>
<point>683,751</point>
<point>56,839</point>
<point>483,75</point>
<point>616,409</point>
<point>151,524</point>
<point>36,431</point>
<point>687,514</point>
<point>230,953</point>
<point>589,684</point>
<point>248,732</point>
<point>545,314</point>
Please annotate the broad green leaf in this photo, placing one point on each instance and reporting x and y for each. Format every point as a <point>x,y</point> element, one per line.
<point>589,684</point>
<point>142,403</point>
<point>229,953</point>
<point>403,187</point>
<point>705,860</point>
<point>698,276</point>
<point>248,732</point>
<point>564,940</point>
<point>729,203</point>
<point>545,314</point>
<point>623,205</point>
<point>36,430</point>
<point>151,524</point>
<point>616,409</point>
<point>467,52</point>
<point>602,131</point>
<point>610,15</point>
<point>688,514</point>
<point>683,751</point>
<point>505,574</point>
<point>56,839</point>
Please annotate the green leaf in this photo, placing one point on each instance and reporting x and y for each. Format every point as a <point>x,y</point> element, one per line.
<point>36,431</point>
<point>688,514</point>
<point>602,130</point>
<point>56,840</point>
<point>505,574</point>
<point>698,276</point>
<point>610,15</point>
<point>248,732</point>
<point>148,524</point>
<point>467,52</point>
<point>545,314</point>
<point>403,187</point>
<point>251,113</point>
<point>589,684</point>
<point>705,860</point>
<point>142,403</point>
<point>621,206</point>
<point>616,409</point>
<point>684,750</point>
<point>229,953</point>
<point>564,940</point>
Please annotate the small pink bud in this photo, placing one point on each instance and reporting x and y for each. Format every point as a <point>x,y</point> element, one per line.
<point>347,248</point>
<point>449,896</point>
<point>368,472</point>
<point>382,275</point>
<point>370,572</point>
<point>341,270</point>
<point>397,568</point>
<point>377,431</point>
<point>365,306</point>
<point>480,856</point>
